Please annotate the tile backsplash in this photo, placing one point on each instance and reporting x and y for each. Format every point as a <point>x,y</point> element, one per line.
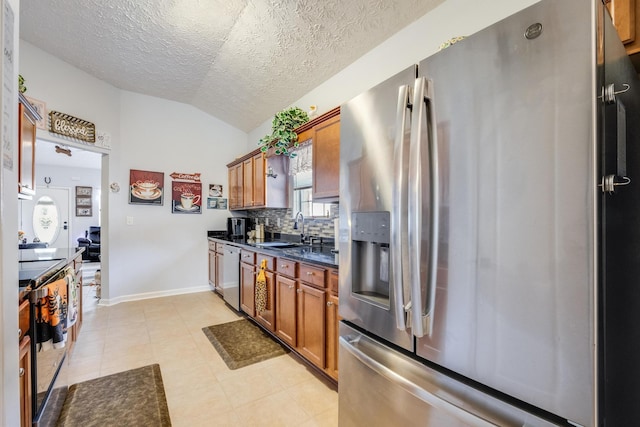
<point>321,227</point>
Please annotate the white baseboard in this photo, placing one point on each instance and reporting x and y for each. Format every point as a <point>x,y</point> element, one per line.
<point>138,297</point>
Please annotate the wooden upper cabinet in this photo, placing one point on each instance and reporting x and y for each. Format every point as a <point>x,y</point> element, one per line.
<point>258,180</point>
<point>624,14</point>
<point>326,159</point>
<point>27,117</point>
<point>324,131</point>
<point>247,182</point>
<point>236,177</point>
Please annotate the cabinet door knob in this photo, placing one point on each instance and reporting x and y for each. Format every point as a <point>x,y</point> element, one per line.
<point>290,286</point>
<point>329,303</point>
<point>21,372</point>
<point>309,273</point>
<point>283,265</point>
<point>299,291</point>
<point>19,332</point>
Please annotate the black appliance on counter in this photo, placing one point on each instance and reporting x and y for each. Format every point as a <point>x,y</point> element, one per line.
<point>238,227</point>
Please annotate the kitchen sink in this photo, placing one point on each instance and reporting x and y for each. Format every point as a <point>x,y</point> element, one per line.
<point>277,245</point>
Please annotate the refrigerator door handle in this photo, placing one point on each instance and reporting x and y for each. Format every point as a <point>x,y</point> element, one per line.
<point>353,346</point>
<point>399,243</point>
<point>423,292</point>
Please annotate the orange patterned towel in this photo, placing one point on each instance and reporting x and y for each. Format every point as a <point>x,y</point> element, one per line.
<point>262,295</point>
<point>51,314</point>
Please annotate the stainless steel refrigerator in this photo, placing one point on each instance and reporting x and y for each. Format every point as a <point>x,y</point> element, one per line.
<point>489,231</point>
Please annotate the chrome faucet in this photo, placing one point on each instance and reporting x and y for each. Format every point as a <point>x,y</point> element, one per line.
<point>295,225</point>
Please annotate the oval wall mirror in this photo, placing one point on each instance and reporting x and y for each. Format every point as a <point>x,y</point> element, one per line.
<point>46,220</point>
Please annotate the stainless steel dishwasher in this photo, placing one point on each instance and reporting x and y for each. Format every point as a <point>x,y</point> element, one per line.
<point>231,276</point>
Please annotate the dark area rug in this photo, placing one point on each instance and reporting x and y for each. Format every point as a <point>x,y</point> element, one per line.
<point>130,398</point>
<point>241,343</point>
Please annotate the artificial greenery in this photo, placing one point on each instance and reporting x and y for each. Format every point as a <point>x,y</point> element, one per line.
<point>21,87</point>
<point>282,137</point>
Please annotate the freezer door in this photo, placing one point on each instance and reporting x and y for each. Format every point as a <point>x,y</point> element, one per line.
<point>385,388</point>
<point>514,304</point>
<point>374,149</point>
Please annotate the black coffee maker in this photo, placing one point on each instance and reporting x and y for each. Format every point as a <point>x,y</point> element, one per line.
<point>237,227</point>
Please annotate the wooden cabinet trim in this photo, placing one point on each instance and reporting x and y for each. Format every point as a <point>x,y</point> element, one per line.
<point>334,281</point>
<point>23,318</point>
<point>332,335</point>
<point>321,118</point>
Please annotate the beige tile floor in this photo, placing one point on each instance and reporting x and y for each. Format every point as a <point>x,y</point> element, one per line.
<point>200,389</point>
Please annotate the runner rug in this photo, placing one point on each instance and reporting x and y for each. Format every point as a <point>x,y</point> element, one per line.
<point>130,398</point>
<point>241,343</point>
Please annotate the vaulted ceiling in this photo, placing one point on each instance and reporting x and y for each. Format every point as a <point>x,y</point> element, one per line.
<point>238,60</point>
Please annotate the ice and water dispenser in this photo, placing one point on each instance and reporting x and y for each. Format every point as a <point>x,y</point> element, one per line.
<point>370,236</point>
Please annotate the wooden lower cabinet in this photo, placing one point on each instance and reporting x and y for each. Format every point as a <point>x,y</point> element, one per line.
<point>25,381</point>
<point>267,318</point>
<point>332,335</point>
<point>286,301</point>
<point>311,324</point>
<point>247,288</point>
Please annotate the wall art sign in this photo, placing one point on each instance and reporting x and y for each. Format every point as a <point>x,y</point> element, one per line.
<point>215,190</point>
<point>195,177</point>
<point>146,187</point>
<point>216,203</point>
<point>72,127</point>
<point>186,197</point>
<point>84,203</point>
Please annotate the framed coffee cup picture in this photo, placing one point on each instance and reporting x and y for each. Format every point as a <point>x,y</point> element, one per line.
<point>186,197</point>
<point>146,187</point>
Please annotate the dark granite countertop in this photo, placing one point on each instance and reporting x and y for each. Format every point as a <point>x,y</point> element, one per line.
<point>34,265</point>
<point>317,254</point>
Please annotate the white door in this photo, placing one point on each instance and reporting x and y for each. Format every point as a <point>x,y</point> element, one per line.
<point>46,217</point>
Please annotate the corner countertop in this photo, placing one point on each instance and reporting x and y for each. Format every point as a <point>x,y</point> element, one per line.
<point>316,254</point>
<point>36,264</point>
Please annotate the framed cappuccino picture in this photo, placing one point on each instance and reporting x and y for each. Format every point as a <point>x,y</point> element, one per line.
<point>215,190</point>
<point>146,187</point>
<point>186,197</point>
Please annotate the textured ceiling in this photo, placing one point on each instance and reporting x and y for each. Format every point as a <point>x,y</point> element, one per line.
<point>238,60</point>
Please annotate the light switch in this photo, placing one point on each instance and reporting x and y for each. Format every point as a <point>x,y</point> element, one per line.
<point>129,220</point>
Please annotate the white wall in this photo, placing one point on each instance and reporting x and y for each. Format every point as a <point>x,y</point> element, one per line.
<point>408,46</point>
<point>161,253</point>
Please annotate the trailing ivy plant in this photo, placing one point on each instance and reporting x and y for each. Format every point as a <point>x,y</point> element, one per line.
<point>282,137</point>
<point>21,87</point>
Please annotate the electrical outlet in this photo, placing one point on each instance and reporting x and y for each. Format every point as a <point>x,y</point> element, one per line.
<point>129,220</point>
